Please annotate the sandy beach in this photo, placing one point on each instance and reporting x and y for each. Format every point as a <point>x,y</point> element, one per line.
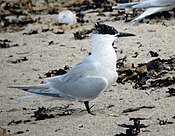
<point>30,56</point>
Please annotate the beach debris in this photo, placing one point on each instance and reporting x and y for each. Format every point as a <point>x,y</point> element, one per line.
<point>153,54</point>
<point>171,91</point>
<point>156,73</point>
<point>58,31</point>
<point>19,132</point>
<point>4,132</point>
<point>79,35</point>
<point>13,122</point>
<point>7,44</point>
<point>46,113</point>
<point>56,72</point>
<point>110,106</point>
<point>67,17</point>
<point>135,54</point>
<point>45,28</point>
<point>16,15</point>
<point>22,59</point>
<point>31,32</point>
<point>124,1</point>
<point>42,113</point>
<point>103,5</point>
<point>164,121</point>
<point>51,42</point>
<point>80,17</point>
<point>80,126</point>
<point>138,108</point>
<point>120,62</point>
<point>132,130</point>
<point>15,23</point>
<point>13,110</point>
<point>60,28</point>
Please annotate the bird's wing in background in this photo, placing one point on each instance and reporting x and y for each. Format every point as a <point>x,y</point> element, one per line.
<point>149,12</point>
<point>143,4</point>
<point>125,5</point>
<point>146,13</point>
<point>154,3</point>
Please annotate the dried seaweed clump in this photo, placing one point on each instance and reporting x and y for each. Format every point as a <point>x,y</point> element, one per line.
<point>156,73</point>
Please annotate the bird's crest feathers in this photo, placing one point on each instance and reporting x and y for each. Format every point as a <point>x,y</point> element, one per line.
<point>104,29</point>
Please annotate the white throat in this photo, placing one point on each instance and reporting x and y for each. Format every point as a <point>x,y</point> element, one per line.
<point>103,51</point>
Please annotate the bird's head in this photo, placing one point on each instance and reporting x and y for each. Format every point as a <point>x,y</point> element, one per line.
<point>108,32</point>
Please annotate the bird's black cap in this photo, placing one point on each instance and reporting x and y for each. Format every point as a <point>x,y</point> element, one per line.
<point>104,29</point>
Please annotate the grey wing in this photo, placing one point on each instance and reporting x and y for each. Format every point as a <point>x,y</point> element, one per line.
<point>82,82</point>
<point>85,68</point>
<point>83,89</point>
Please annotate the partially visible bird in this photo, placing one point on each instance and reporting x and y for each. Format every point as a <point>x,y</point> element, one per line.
<point>85,81</point>
<point>154,6</point>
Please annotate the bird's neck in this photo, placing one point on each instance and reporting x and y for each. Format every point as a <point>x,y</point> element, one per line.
<point>103,51</point>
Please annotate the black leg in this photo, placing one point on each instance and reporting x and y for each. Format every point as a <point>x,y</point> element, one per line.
<point>86,103</point>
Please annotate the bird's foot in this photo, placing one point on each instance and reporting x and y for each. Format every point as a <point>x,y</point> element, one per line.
<point>88,109</point>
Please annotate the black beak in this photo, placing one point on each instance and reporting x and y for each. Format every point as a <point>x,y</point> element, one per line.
<point>121,34</point>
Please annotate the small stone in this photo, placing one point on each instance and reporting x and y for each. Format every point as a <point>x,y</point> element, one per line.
<point>58,31</point>
<point>81,126</point>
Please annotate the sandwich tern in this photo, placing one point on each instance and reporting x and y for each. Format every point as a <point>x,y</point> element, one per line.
<point>94,74</point>
<point>154,6</point>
